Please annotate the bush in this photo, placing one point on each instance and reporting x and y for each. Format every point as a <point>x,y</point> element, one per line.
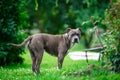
<point>12,18</point>
<point>112,36</point>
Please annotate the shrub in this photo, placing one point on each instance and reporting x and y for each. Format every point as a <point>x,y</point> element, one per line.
<point>112,36</point>
<point>12,18</point>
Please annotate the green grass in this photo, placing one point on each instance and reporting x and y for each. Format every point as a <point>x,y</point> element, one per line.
<point>49,70</point>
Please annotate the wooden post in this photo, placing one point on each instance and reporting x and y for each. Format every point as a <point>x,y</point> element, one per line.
<point>86,56</point>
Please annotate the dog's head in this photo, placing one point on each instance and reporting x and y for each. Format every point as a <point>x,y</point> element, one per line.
<point>74,35</point>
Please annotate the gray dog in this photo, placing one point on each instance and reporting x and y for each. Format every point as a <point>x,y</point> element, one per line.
<point>56,45</point>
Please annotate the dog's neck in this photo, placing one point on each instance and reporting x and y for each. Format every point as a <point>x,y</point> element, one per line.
<point>68,40</point>
<point>66,36</point>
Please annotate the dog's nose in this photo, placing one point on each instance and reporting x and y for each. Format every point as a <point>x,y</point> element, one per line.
<point>76,40</point>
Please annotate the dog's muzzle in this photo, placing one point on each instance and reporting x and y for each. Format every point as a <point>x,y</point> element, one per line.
<point>75,39</point>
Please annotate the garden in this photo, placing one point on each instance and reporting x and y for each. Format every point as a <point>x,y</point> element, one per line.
<point>100,24</point>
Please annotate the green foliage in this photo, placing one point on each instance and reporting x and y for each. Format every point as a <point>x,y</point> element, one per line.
<point>112,36</point>
<point>54,16</point>
<point>12,18</point>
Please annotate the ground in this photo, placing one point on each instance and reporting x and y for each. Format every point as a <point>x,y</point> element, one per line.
<point>72,70</point>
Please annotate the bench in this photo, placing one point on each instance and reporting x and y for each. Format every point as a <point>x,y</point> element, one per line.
<point>96,49</point>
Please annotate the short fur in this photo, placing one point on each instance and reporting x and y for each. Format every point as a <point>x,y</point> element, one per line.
<point>56,45</point>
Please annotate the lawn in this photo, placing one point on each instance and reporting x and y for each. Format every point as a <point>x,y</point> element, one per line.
<point>72,70</point>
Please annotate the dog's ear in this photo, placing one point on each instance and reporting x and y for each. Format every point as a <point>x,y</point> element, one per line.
<point>68,29</point>
<point>79,29</point>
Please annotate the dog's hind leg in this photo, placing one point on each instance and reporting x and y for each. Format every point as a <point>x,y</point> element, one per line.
<point>39,60</point>
<point>33,60</point>
<point>33,63</point>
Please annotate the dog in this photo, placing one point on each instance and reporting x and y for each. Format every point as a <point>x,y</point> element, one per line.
<point>56,45</point>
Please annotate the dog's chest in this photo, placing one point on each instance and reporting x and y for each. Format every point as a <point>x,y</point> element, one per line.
<point>54,44</point>
<point>52,49</point>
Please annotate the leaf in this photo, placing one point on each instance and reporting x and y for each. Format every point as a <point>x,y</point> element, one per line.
<point>56,3</point>
<point>67,1</point>
<point>3,54</point>
<point>36,7</point>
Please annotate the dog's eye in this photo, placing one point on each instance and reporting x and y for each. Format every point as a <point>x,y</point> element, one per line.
<point>73,34</point>
<point>77,34</point>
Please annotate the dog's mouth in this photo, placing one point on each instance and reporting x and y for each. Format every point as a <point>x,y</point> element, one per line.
<point>75,39</point>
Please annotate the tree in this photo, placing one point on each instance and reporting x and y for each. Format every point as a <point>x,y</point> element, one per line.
<point>12,18</point>
<point>55,16</point>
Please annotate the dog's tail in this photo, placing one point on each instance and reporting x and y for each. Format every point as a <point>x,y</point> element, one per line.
<point>22,44</point>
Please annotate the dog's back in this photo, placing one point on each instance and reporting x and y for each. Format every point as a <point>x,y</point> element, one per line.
<point>48,42</point>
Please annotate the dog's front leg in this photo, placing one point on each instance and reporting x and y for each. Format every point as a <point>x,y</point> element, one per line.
<point>60,59</point>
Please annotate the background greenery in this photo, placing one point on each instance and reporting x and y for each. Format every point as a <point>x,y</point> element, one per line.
<point>13,17</point>
<point>18,18</point>
<point>112,37</point>
<point>55,16</point>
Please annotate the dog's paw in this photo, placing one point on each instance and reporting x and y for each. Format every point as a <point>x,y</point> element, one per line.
<point>34,73</point>
<point>58,68</point>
